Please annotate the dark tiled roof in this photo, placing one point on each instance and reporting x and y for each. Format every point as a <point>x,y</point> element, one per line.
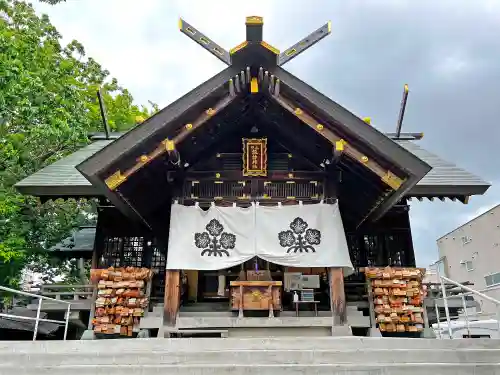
<point>443,173</point>
<point>44,328</point>
<point>62,178</point>
<point>80,240</point>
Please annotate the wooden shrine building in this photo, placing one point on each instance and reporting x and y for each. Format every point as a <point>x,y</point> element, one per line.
<point>252,133</point>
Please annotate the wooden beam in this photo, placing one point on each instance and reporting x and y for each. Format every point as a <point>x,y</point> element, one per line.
<point>238,175</point>
<point>337,296</point>
<point>171,301</point>
<point>167,145</point>
<point>385,175</point>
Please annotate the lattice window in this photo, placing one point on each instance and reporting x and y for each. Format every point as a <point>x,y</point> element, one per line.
<point>111,255</point>
<point>216,189</point>
<point>122,252</point>
<point>158,264</point>
<point>293,189</point>
<point>133,249</point>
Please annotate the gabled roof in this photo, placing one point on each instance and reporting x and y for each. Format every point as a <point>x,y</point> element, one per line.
<point>254,68</point>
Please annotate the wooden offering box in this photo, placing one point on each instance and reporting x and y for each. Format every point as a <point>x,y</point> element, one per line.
<point>256,295</point>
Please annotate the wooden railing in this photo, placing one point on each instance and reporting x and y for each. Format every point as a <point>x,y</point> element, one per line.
<point>67,291</point>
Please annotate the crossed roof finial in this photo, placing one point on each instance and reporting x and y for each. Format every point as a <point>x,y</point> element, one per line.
<point>254,33</point>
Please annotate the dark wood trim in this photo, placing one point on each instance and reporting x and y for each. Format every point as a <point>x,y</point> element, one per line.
<point>447,190</point>
<point>334,139</point>
<point>161,122</point>
<point>238,176</point>
<point>355,126</point>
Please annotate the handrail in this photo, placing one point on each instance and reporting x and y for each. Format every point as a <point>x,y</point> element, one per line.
<point>442,279</point>
<point>38,311</point>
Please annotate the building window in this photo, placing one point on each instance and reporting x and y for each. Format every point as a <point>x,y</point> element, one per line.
<point>492,279</point>
<point>466,240</point>
<point>469,266</point>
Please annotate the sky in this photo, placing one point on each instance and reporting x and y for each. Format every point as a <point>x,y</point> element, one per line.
<point>447,51</point>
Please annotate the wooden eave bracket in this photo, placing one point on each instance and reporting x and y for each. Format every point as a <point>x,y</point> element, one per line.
<point>387,176</point>
<point>168,145</point>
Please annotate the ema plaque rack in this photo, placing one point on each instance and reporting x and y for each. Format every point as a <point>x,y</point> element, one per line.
<point>398,297</point>
<point>122,298</point>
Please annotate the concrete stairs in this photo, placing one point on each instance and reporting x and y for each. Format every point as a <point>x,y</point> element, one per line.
<point>276,356</point>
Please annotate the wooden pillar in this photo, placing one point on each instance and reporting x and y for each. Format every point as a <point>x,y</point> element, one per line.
<point>171,302</point>
<point>337,296</point>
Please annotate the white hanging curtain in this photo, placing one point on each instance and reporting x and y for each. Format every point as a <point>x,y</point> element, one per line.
<point>223,237</point>
<point>218,238</point>
<point>302,236</point>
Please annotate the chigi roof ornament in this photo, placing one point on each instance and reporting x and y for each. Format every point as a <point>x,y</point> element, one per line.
<point>254,38</point>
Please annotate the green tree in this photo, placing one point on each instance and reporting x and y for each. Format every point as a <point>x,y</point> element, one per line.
<point>48,105</point>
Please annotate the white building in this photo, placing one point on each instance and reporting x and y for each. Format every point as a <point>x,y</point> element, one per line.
<point>471,252</point>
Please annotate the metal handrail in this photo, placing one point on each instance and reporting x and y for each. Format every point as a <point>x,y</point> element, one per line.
<point>38,311</point>
<point>445,297</point>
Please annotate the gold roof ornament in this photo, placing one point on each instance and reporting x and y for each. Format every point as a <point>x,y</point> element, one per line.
<point>254,20</point>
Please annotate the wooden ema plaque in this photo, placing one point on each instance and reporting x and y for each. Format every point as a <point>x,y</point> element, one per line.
<point>254,157</point>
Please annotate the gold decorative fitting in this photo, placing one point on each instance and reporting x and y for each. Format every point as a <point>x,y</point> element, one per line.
<point>143,158</point>
<point>115,180</point>
<point>298,111</point>
<point>392,180</point>
<point>218,182</point>
<point>169,144</point>
<point>290,175</point>
<point>218,198</point>
<point>238,47</point>
<point>210,111</point>
<point>254,85</point>
<point>364,159</point>
<point>217,155</point>
<point>290,156</point>
<point>189,126</point>
<point>339,145</point>
<point>406,88</point>
<point>266,196</point>
<point>270,47</point>
<point>217,175</point>
<point>368,120</point>
<point>290,198</point>
<point>254,20</point>
<point>290,182</point>
<point>319,127</point>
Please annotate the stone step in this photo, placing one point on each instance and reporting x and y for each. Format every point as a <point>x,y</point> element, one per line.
<point>234,344</point>
<point>251,369</point>
<point>263,357</point>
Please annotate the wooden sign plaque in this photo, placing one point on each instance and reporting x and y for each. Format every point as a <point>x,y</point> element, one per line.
<point>254,157</point>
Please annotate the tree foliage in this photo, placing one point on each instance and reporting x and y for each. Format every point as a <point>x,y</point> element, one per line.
<point>48,105</point>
